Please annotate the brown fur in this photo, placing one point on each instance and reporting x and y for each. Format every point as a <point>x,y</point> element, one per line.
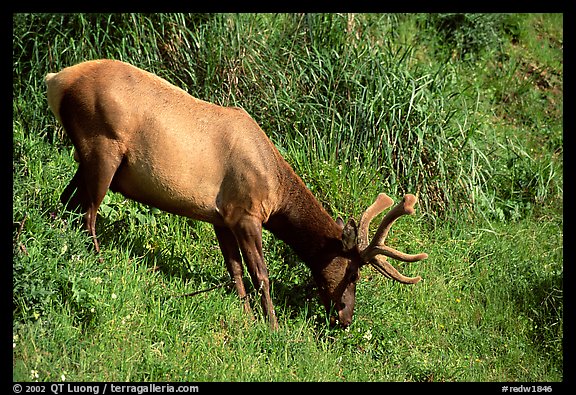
<point>137,134</point>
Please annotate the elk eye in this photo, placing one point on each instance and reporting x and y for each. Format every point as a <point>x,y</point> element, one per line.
<point>353,276</point>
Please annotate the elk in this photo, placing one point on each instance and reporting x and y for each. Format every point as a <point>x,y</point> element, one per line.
<point>135,133</point>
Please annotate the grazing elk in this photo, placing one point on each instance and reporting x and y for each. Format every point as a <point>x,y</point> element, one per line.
<point>139,135</point>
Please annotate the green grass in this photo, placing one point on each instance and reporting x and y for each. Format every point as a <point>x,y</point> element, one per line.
<point>358,104</point>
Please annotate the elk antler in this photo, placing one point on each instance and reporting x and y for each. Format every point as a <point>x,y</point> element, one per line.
<point>372,252</point>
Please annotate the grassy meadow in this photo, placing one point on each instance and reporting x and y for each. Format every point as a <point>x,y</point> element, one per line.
<point>463,110</point>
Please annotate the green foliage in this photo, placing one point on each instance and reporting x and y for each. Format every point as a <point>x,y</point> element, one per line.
<point>468,35</point>
<point>464,110</point>
<point>353,98</point>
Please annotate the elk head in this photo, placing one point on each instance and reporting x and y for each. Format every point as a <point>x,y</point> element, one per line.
<point>337,280</point>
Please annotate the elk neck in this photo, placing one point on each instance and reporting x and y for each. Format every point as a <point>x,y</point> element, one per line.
<point>304,224</point>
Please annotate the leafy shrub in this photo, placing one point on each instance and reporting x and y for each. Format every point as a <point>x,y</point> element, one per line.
<point>468,35</point>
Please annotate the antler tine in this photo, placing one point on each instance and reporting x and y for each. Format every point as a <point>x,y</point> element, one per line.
<point>405,207</point>
<point>373,253</point>
<point>381,203</point>
<point>385,268</point>
<point>393,253</point>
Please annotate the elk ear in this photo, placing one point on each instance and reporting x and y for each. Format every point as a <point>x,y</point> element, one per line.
<point>349,235</point>
<point>340,222</point>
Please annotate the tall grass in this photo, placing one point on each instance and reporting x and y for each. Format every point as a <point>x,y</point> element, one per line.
<point>358,104</point>
<point>331,88</point>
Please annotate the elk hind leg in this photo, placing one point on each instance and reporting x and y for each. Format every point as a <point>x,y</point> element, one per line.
<point>95,171</point>
<point>72,197</point>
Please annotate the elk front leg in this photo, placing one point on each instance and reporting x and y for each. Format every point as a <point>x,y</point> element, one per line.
<point>233,260</point>
<point>248,232</point>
